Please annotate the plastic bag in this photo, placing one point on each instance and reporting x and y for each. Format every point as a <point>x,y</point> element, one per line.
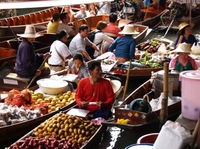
<point>172,136</point>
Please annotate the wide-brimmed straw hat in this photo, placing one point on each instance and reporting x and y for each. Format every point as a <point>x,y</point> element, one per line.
<point>116,84</point>
<point>182,26</point>
<point>182,48</point>
<point>29,32</point>
<point>129,30</point>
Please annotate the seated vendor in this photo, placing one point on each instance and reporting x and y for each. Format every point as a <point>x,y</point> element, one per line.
<point>183,61</point>
<point>124,47</point>
<point>77,66</point>
<point>185,35</point>
<point>95,93</point>
<point>28,62</point>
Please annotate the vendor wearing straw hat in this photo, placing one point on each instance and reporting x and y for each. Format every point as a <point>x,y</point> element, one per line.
<point>185,34</point>
<point>27,62</point>
<point>183,61</point>
<point>124,46</point>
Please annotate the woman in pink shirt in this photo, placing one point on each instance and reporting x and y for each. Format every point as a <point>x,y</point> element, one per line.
<point>183,61</point>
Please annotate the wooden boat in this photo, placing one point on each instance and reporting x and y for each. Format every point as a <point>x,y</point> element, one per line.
<point>40,47</point>
<point>91,143</point>
<point>93,20</point>
<point>154,21</point>
<point>179,12</point>
<point>143,72</point>
<point>140,119</point>
<point>12,132</point>
<point>16,25</point>
<point>135,73</point>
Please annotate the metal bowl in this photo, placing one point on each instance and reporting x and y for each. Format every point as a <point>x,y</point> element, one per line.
<point>52,87</point>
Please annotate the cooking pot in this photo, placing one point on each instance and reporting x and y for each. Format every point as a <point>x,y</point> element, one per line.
<point>173,83</point>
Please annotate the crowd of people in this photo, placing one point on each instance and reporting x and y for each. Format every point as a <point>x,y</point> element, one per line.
<point>91,86</point>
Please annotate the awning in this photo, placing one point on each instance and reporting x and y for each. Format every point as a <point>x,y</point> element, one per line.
<point>46,3</point>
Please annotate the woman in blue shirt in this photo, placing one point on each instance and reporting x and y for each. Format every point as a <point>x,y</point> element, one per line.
<point>124,46</point>
<point>185,34</point>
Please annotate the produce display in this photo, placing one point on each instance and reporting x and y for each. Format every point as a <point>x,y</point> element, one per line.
<point>54,102</point>
<point>108,62</point>
<point>123,121</point>
<point>24,98</point>
<point>61,131</point>
<point>12,115</point>
<point>25,105</point>
<point>151,46</point>
<point>148,61</point>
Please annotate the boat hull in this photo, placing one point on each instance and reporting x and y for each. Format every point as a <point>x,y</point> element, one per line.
<point>14,132</point>
<point>91,143</point>
<point>140,119</point>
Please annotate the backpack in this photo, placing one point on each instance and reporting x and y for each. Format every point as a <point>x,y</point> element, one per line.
<point>91,37</point>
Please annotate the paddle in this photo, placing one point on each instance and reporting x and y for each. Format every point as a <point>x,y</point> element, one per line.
<point>164,103</point>
<point>173,18</point>
<point>35,74</point>
<point>127,78</point>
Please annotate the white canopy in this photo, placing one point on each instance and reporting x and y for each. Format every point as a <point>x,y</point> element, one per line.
<point>46,3</point>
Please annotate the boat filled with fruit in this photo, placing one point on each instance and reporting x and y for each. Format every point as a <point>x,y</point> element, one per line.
<point>62,131</point>
<point>23,110</point>
<point>149,57</point>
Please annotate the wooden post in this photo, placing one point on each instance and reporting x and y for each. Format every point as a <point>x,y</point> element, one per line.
<point>164,103</point>
<point>195,135</point>
<point>127,78</point>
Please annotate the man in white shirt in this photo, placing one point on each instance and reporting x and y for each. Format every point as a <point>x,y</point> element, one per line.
<point>64,25</point>
<point>79,42</point>
<point>104,8</point>
<point>83,13</point>
<point>59,52</point>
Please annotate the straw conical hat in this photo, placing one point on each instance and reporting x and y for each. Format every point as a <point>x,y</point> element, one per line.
<point>182,48</point>
<point>129,30</point>
<point>116,84</point>
<point>29,32</point>
<point>182,26</point>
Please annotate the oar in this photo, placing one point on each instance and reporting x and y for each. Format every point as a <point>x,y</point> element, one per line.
<point>174,15</point>
<point>35,74</point>
<point>127,78</point>
<point>164,103</point>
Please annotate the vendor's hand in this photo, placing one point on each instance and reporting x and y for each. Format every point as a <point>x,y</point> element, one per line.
<point>84,104</point>
<point>38,72</point>
<point>99,52</point>
<point>46,55</point>
<point>100,104</point>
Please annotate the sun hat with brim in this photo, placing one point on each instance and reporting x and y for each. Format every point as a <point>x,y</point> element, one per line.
<point>182,26</point>
<point>116,84</point>
<point>129,30</point>
<point>29,32</point>
<point>182,48</point>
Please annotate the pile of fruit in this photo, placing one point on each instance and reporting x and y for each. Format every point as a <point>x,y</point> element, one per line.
<point>123,121</point>
<point>54,102</point>
<point>61,131</point>
<point>31,100</point>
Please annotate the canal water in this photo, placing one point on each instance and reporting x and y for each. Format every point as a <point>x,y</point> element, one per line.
<point>116,138</point>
